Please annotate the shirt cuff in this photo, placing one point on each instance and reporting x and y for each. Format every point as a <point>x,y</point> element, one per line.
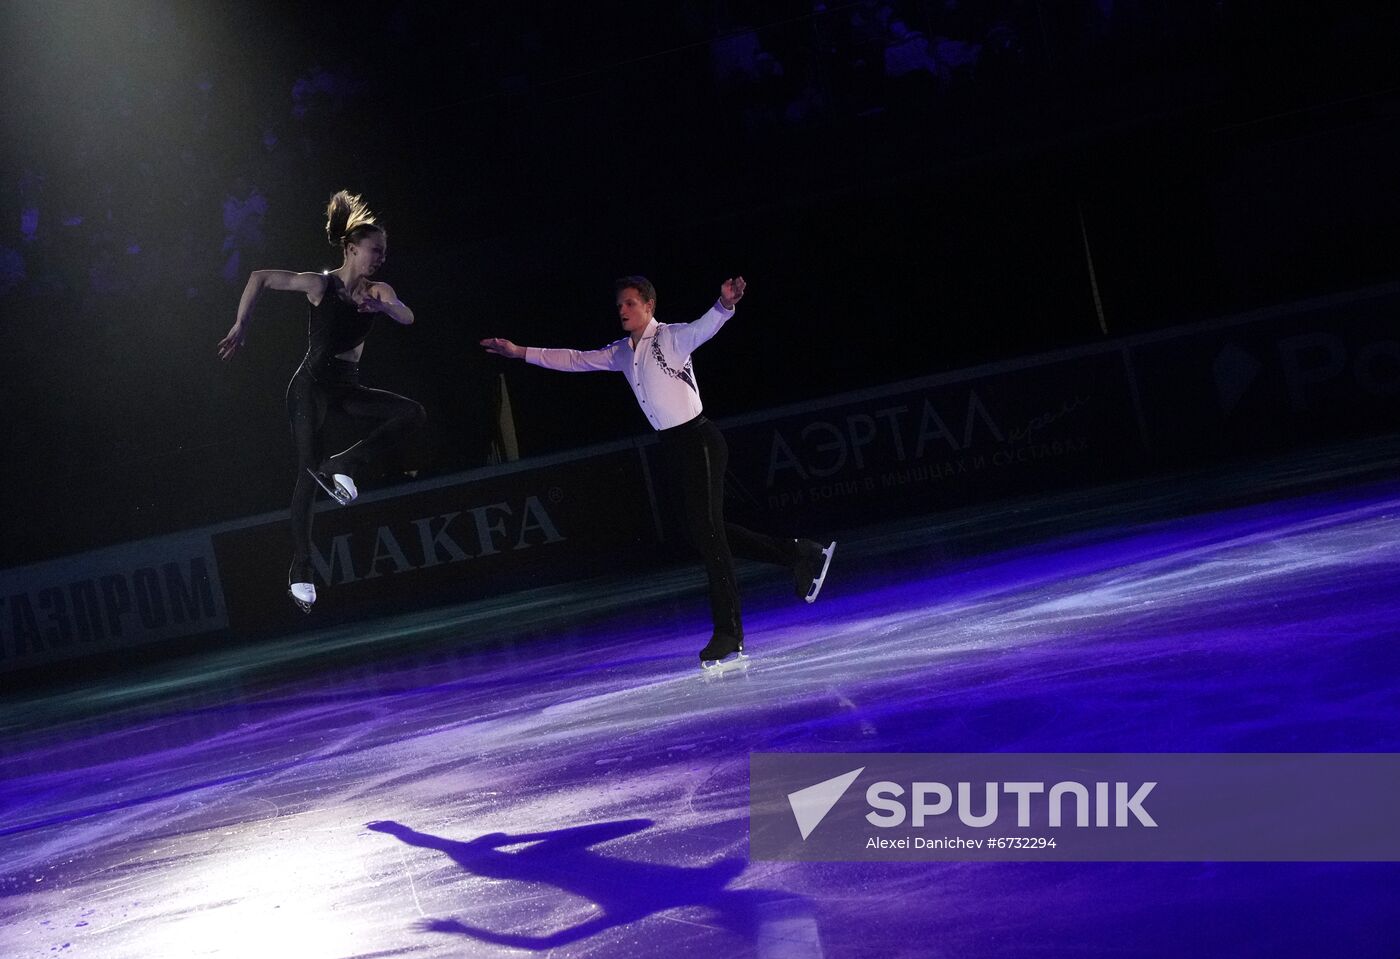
<point>727,310</point>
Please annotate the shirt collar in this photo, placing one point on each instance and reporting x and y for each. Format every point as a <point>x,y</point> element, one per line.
<point>647,333</point>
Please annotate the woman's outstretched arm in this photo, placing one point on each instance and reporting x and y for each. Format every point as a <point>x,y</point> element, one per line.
<point>311,284</point>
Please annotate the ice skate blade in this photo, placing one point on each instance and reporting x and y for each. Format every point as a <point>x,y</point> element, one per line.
<point>714,668</point>
<point>302,604</point>
<point>816,586</point>
<point>340,494</point>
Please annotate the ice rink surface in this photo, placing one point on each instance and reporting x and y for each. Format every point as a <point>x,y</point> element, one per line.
<point>550,773</point>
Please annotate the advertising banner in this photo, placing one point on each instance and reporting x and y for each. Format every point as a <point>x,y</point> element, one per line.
<point>493,532</point>
<point>938,444</point>
<point>125,596</point>
<point>1315,373</point>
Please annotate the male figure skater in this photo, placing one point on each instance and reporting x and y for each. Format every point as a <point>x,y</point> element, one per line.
<point>656,359</point>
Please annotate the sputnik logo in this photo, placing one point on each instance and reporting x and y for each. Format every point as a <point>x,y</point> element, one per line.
<point>810,805</point>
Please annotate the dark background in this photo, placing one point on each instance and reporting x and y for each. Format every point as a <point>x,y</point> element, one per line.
<point>910,187</point>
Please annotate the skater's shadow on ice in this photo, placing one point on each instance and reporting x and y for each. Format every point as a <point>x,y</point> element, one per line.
<point>624,890</point>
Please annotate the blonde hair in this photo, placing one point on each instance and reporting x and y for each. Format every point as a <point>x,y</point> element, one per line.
<point>348,219</point>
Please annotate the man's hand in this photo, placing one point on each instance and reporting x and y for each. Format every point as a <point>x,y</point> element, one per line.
<point>504,348</point>
<point>731,291</point>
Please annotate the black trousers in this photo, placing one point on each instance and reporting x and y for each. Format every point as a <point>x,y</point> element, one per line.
<point>335,387</point>
<point>695,457</point>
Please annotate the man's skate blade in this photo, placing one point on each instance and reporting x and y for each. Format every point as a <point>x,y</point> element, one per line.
<point>332,488</point>
<point>816,586</point>
<point>714,668</point>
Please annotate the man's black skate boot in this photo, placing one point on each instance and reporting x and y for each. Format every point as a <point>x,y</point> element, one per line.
<point>808,574</point>
<point>724,649</point>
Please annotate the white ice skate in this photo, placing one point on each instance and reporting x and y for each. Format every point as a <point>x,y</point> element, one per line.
<point>340,487</point>
<point>303,594</point>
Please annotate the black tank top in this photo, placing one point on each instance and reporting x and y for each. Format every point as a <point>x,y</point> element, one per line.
<point>334,327</point>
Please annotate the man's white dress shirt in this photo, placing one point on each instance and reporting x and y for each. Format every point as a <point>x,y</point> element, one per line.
<point>658,369</point>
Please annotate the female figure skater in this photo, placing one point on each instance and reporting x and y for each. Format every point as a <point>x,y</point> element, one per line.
<point>343,302</point>
<point>655,357</point>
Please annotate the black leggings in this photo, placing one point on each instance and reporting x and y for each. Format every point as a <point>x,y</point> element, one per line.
<point>336,387</point>
<point>696,457</point>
